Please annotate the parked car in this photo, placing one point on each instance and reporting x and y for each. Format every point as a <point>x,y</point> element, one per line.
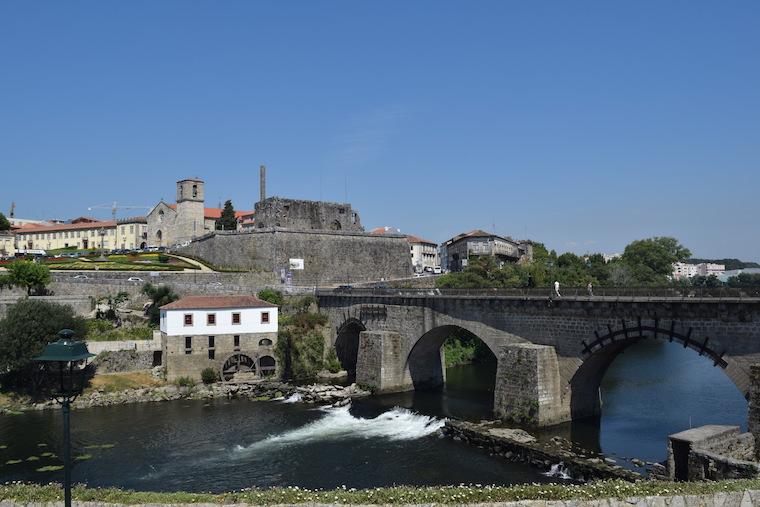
<point>344,288</point>
<point>134,279</point>
<point>437,270</point>
<point>81,277</point>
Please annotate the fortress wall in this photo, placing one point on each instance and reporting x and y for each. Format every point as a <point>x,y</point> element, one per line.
<point>330,258</point>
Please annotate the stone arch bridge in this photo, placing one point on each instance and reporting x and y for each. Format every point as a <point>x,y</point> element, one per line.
<point>551,353</point>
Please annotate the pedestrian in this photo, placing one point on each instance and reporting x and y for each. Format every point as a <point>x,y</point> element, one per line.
<point>590,289</point>
<point>556,290</point>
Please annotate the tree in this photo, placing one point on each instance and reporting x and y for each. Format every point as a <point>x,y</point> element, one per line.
<point>271,296</point>
<point>28,326</point>
<point>650,261</point>
<point>159,295</point>
<point>28,274</point>
<point>5,225</point>
<point>227,222</point>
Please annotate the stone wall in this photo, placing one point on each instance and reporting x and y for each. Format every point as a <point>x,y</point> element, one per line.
<point>180,363</point>
<point>330,258</point>
<point>125,360</point>
<point>99,284</point>
<point>81,305</point>
<point>753,423</point>
<point>711,452</point>
<point>306,215</point>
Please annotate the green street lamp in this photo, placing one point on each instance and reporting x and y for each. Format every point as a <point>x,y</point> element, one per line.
<point>66,359</point>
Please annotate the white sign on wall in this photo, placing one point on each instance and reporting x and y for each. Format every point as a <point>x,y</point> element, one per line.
<point>296,264</point>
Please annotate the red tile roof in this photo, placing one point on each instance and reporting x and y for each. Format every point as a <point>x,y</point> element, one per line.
<point>65,227</point>
<point>217,212</point>
<point>416,239</point>
<point>217,302</point>
<point>379,231</point>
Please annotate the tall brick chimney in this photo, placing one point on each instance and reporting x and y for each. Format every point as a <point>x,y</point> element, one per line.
<point>262,183</point>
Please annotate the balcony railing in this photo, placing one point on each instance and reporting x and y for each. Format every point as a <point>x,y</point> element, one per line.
<point>576,293</point>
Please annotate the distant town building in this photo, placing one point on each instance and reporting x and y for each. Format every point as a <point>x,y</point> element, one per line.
<point>7,244</point>
<point>234,335</point>
<point>424,253</point>
<point>684,270</point>
<point>611,257</point>
<point>83,233</point>
<point>457,252</point>
<point>188,218</point>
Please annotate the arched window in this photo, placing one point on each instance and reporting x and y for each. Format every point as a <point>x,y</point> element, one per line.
<point>336,225</point>
<point>266,342</point>
<point>267,366</point>
<point>160,216</point>
<point>195,190</point>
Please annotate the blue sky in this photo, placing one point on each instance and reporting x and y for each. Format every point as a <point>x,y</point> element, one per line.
<point>583,124</point>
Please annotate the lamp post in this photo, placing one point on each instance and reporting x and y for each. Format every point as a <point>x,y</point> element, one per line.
<point>66,359</point>
<point>102,234</point>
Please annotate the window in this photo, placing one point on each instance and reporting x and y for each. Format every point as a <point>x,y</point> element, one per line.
<point>195,190</point>
<point>211,352</point>
<point>188,319</point>
<point>265,342</point>
<point>236,341</point>
<point>265,317</point>
<point>188,344</point>
<point>211,319</point>
<point>236,318</point>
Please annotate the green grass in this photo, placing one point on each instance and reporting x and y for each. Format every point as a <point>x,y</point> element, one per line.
<point>97,333</point>
<point>28,493</point>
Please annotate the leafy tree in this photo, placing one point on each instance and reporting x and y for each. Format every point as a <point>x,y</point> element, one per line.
<point>5,225</point>
<point>227,222</point>
<point>28,274</point>
<point>28,326</point>
<point>272,296</point>
<point>745,279</point>
<point>159,295</point>
<point>650,261</point>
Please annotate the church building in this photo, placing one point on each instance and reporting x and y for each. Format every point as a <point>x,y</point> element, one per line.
<point>188,218</point>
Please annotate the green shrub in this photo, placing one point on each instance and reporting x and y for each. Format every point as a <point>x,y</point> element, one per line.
<point>163,258</point>
<point>209,376</point>
<point>184,382</point>
<point>272,296</point>
<point>300,353</point>
<point>331,363</point>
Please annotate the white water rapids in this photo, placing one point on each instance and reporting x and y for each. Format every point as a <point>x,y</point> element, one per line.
<point>339,424</point>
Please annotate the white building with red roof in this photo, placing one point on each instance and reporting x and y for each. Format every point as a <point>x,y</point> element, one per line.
<point>229,334</point>
<point>424,253</point>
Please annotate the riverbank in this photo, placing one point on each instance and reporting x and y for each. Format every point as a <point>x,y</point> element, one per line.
<point>257,390</point>
<point>608,493</point>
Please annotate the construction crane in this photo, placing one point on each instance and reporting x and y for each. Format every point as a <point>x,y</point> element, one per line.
<point>114,208</point>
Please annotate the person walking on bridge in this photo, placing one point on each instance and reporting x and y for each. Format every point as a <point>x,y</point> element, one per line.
<point>590,289</point>
<point>556,289</point>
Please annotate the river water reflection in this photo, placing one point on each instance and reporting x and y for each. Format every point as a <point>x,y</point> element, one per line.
<point>653,390</point>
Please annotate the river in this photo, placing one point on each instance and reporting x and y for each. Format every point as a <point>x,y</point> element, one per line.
<point>652,390</point>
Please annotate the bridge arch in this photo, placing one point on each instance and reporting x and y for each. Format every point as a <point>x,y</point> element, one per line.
<point>347,345</point>
<point>426,362</point>
<point>598,355</point>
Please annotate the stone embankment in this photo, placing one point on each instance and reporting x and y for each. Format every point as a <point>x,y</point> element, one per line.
<point>519,445</point>
<point>257,391</point>
<point>746,498</point>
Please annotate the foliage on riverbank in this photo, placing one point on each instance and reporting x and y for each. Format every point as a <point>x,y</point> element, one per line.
<point>300,346</point>
<point>466,349</point>
<point>26,493</point>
